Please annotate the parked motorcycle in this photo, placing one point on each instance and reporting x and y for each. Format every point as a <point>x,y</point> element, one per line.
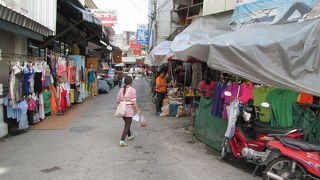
<point>290,159</point>
<point>249,140</point>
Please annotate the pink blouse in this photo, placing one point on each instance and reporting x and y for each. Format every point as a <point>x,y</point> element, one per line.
<point>130,99</point>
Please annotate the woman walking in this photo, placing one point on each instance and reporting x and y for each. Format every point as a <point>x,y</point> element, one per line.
<point>128,94</point>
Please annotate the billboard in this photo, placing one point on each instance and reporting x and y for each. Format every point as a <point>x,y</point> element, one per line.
<point>142,34</point>
<point>249,12</point>
<point>107,17</point>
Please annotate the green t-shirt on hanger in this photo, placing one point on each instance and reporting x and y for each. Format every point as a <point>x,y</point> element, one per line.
<point>47,101</point>
<point>260,94</point>
<point>281,103</point>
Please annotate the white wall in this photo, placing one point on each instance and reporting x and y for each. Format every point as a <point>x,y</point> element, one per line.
<point>163,24</point>
<point>10,43</point>
<point>217,6</point>
<point>41,11</point>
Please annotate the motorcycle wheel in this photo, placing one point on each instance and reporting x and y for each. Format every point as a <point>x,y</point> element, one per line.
<point>282,167</point>
<point>225,152</point>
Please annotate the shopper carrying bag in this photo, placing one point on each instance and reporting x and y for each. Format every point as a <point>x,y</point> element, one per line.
<point>127,96</point>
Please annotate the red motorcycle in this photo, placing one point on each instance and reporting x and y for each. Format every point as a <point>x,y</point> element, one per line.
<point>249,140</point>
<point>290,159</point>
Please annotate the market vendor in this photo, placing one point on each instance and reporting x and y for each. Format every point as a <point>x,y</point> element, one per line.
<point>161,90</point>
<point>206,87</point>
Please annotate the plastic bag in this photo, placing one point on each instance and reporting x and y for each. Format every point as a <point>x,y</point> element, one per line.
<point>165,110</point>
<point>143,122</point>
<point>136,117</point>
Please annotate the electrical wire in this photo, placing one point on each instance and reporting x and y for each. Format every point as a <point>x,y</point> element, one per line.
<point>163,5</point>
<point>141,10</point>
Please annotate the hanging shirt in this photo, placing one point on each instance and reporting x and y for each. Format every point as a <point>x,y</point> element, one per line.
<point>41,106</point>
<point>26,81</point>
<point>217,99</point>
<point>281,103</point>
<point>246,93</point>
<point>31,104</point>
<point>47,101</point>
<point>235,91</point>
<point>305,98</point>
<point>196,75</point>
<point>22,117</point>
<point>260,95</point>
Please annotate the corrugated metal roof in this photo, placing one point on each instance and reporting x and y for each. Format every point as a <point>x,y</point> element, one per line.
<point>16,18</point>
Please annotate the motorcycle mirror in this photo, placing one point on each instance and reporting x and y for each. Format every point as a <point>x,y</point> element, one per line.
<point>227,93</point>
<point>265,104</point>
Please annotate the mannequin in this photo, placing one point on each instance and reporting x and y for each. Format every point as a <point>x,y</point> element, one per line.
<point>91,80</point>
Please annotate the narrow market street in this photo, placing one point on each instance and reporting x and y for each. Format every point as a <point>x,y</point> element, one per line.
<point>89,149</point>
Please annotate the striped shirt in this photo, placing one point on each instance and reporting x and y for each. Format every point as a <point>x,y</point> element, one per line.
<point>130,99</point>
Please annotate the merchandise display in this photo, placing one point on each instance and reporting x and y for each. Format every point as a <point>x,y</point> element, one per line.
<point>40,88</point>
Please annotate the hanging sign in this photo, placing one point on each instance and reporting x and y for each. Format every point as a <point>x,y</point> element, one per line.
<point>107,17</point>
<point>248,12</point>
<point>135,46</point>
<point>142,34</point>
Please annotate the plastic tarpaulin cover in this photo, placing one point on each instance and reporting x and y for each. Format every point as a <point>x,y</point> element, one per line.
<point>159,55</point>
<point>285,56</point>
<point>193,41</point>
<point>208,128</point>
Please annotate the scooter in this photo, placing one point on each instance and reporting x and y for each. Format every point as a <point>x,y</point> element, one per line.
<point>249,140</point>
<point>290,159</point>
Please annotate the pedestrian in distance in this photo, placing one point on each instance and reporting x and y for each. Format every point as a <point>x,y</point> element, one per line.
<point>128,94</point>
<point>161,90</point>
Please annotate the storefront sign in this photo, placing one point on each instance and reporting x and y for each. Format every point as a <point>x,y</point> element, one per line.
<point>249,12</point>
<point>107,17</point>
<point>142,26</point>
<point>136,52</point>
<point>135,46</point>
<point>142,36</point>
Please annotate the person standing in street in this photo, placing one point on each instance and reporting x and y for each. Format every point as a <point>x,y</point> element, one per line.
<point>161,90</point>
<point>128,94</point>
<point>120,76</point>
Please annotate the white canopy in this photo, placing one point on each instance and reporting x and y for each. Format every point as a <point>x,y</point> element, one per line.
<point>159,55</point>
<point>193,41</point>
<point>284,56</point>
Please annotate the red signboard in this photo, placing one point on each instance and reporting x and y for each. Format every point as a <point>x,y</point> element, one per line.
<point>135,46</point>
<point>137,52</point>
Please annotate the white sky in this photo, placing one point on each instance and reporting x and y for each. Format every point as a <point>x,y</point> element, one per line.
<point>130,13</point>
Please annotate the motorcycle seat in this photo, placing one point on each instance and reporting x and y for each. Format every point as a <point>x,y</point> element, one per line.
<point>300,145</point>
<point>277,131</point>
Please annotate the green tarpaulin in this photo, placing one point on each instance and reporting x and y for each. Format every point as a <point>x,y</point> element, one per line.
<point>208,128</point>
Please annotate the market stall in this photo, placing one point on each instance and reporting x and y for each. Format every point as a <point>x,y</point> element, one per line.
<point>40,87</point>
<point>281,62</point>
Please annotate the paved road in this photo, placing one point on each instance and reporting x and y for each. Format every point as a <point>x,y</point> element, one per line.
<point>88,149</point>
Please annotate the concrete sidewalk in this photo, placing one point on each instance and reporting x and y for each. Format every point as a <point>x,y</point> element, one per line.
<point>88,149</point>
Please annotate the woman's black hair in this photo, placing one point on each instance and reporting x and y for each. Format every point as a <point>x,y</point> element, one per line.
<point>208,80</point>
<point>127,81</point>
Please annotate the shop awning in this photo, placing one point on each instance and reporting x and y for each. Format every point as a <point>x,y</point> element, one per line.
<point>81,18</point>
<point>284,56</point>
<point>16,18</point>
<point>129,60</point>
<point>193,41</point>
<point>160,54</point>
<point>86,15</point>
